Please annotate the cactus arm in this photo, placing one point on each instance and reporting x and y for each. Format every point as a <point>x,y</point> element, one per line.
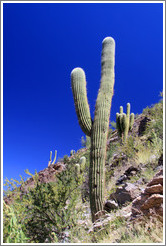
<point>78,82</point>
<point>124,126</point>
<point>50,156</point>
<point>100,127</point>
<point>55,157</point>
<point>50,160</point>
<point>128,117</point>
<point>131,121</point>
<point>121,109</point>
<point>118,126</point>
<point>128,109</point>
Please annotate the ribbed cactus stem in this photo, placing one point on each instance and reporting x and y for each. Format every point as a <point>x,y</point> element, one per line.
<point>80,99</point>
<point>118,126</point>
<point>128,117</point>
<point>121,110</point>
<point>124,122</point>
<point>50,156</point>
<point>128,109</point>
<point>82,163</point>
<point>55,157</point>
<point>124,126</point>
<point>77,170</point>
<point>131,121</point>
<point>50,160</point>
<point>98,129</point>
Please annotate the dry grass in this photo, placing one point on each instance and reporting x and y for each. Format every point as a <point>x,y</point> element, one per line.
<point>144,231</point>
<point>145,156</point>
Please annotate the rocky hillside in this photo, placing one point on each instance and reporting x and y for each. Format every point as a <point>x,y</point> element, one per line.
<point>134,191</point>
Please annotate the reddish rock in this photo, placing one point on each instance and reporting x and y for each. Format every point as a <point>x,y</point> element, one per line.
<point>150,202</point>
<point>154,189</point>
<point>156,180</point>
<point>153,201</point>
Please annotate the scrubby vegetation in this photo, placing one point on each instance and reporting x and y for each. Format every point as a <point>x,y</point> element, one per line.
<point>59,212</point>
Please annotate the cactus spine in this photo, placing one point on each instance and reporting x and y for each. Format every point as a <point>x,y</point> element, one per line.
<point>124,122</point>
<point>98,128</point>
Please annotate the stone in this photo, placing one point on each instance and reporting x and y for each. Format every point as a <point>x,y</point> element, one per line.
<point>150,201</point>
<point>110,204</point>
<point>131,170</point>
<point>156,180</point>
<point>127,192</point>
<point>121,179</point>
<point>142,125</point>
<point>154,200</point>
<point>160,161</point>
<point>158,188</point>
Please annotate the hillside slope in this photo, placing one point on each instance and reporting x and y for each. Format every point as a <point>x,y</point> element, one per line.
<point>53,205</point>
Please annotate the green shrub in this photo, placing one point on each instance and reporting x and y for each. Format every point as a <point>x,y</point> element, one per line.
<point>13,232</point>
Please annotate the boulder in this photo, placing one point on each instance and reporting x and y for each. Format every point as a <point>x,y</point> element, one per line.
<point>110,204</point>
<point>150,201</point>
<point>126,193</point>
<point>158,188</point>
<point>156,180</point>
<point>142,125</point>
<point>153,201</point>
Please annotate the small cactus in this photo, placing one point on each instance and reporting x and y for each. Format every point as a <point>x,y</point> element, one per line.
<point>50,160</point>
<point>124,122</point>
<point>77,170</point>
<point>82,163</point>
<point>72,152</point>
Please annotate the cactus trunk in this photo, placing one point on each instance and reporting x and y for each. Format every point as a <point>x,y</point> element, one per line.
<point>100,129</point>
<point>97,129</point>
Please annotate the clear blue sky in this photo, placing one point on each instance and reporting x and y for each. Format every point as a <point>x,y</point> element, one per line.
<point>42,43</point>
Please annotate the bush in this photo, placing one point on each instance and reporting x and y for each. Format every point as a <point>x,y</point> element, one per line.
<point>48,210</point>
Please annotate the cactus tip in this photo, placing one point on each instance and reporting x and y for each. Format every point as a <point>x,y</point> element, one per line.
<point>108,40</point>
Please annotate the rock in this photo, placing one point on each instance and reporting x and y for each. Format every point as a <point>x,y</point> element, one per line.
<point>160,161</point>
<point>127,192</point>
<point>118,158</point>
<point>156,180</point>
<point>153,201</point>
<point>121,179</point>
<point>142,125</point>
<point>110,204</point>
<point>158,188</point>
<point>159,173</point>
<point>150,201</point>
<point>131,170</point>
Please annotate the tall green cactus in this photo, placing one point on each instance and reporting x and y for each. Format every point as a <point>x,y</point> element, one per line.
<point>124,122</point>
<point>98,128</point>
